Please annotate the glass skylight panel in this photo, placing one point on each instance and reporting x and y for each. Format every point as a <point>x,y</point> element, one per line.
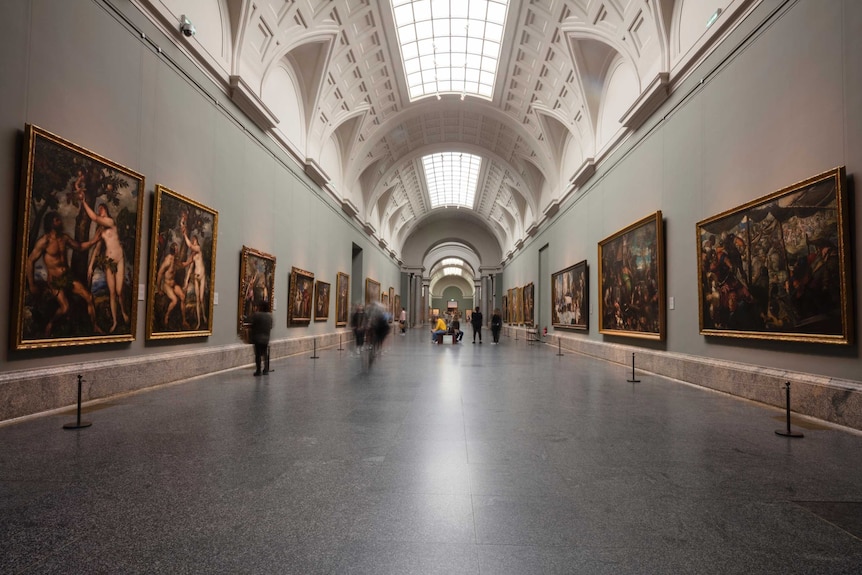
<point>452,262</point>
<point>451,178</point>
<point>452,271</point>
<point>450,46</point>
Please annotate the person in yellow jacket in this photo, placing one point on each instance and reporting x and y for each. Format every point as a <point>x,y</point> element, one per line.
<point>439,329</point>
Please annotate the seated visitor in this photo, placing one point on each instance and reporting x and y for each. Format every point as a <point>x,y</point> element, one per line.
<point>456,330</point>
<point>439,329</point>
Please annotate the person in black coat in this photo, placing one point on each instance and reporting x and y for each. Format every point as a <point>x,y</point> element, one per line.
<point>496,325</point>
<point>261,326</point>
<point>476,322</point>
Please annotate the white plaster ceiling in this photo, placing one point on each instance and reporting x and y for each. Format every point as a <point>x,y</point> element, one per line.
<point>325,79</point>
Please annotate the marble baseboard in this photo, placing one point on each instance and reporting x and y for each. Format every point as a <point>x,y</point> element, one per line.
<point>28,392</point>
<point>821,397</point>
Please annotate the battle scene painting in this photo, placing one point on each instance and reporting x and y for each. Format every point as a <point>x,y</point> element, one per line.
<point>631,276</point>
<point>776,268</point>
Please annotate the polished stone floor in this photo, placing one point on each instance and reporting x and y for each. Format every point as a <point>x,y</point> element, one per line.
<point>469,459</point>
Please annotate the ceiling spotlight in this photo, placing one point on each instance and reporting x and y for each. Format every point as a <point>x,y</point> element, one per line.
<point>186,26</point>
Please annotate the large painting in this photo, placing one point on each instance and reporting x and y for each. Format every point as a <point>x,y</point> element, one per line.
<point>529,294</point>
<point>391,306</point>
<point>372,291</point>
<point>570,297</point>
<point>342,299</point>
<point>182,267</point>
<point>631,276</point>
<point>519,305</point>
<point>321,301</point>
<point>777,267</point>
<point>256,285</point>
<point>505,308</point>
<point>79,230</point>
<point>300,297</point>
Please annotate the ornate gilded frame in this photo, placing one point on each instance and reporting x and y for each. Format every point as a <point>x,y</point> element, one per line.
<point>321,300</point>
<point>632,279</point>
<point>372,290</point>
<point>570,297</point>
<point>256,285</point>
<point>781,262</point>
<point>301,294</point>
<point>56,176</point>
<point>177,223</point>
<point>342,299</point>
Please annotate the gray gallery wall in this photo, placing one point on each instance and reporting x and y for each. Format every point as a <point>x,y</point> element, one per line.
<point>780,101</point>
<point>80,70</point>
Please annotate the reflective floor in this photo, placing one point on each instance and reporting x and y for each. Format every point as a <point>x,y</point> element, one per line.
<point>474,459</point>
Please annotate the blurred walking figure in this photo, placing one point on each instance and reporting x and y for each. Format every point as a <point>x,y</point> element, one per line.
<point>402,320</point>
<point>378,326</point>
<point>357,324</point>
<point>496,325</point>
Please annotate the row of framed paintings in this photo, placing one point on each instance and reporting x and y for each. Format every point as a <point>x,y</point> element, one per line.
<point>774,268</point>
<point>390,300</point>
<point>78,257</point>
<point>518,305</point>
<point>307,299</point>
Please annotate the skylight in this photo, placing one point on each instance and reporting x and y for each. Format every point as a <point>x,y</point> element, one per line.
<point>450,46</point>
<point>451,178</point>
<point>452,271</point>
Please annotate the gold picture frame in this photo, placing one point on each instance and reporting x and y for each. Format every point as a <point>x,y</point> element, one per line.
<point>570,297</point>
<point>342,299</point>
<point>631,277</point>
<point>301,294</point>
<point>372,291</point>
<point>75,202</point>
<point>778,266</point>
<point>321,300</point>
<point>182,263</point>
<point>256,285</point>
<point>529,304</point>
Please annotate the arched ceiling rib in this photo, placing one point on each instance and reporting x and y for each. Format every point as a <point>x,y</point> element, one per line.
<point>547,103</point>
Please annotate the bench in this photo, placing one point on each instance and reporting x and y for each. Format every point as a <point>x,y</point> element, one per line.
<point>445,339</point>
<point>532,335</point>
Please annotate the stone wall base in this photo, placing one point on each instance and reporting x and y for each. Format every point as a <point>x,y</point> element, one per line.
<point>28,392</point>
<point>835,400</point>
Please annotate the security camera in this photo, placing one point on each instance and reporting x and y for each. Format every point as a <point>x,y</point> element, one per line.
<point>186,27</point>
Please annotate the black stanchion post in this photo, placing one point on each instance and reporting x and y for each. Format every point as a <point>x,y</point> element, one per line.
<point>314,354</point>
<point>559,347</point>
<point>78,423</point>
<point>633,380</point>
<point>787,432</point>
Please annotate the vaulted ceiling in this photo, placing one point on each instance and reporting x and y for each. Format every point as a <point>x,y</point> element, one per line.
<point>326,80</point>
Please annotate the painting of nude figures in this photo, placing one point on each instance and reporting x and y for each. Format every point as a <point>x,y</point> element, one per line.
<point>182,267</point>
<point>76,266</point>
<point>300,297</point>
<point>776,267</point>
<point>256,285</point>
<point>631,277</point>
